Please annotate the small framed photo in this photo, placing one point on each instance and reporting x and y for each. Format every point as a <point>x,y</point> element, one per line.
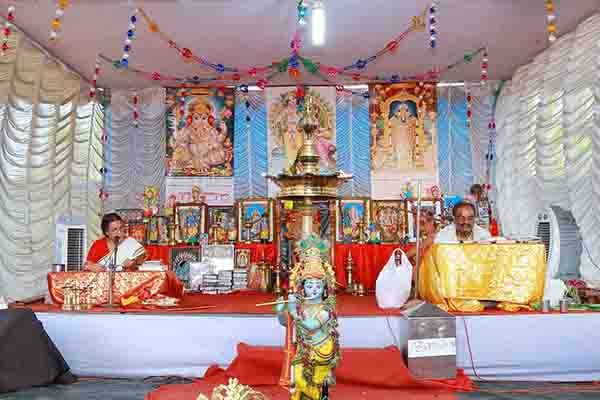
<point>137,229</point>
<point>158,230</point>
<point>191,220</point>
<point>389,219</point>
<point>220,224</point>
<point>179,261</point>
<point>255,220</point>
<point>130,214</point>
<point>434,206</point>
<point>352,219</point>
<point>255,277</point>
<point>242,258</point>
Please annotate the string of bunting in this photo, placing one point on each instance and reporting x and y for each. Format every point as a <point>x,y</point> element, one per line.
<point>416,23</point>
<point>311,66</point>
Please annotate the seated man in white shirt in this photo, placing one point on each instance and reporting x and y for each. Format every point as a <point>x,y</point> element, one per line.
<point>464,227</point>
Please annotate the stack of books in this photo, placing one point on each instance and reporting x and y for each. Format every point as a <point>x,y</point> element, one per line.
<point>225,281</point>
<point>209,283</point>
<point>240,279</point>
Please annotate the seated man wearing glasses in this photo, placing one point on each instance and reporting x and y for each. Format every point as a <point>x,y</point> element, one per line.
<point>464,227</point>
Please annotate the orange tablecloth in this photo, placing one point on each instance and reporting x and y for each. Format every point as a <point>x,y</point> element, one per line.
<point>143,285</point>
<point>369,260</point>
<point>257,250</point>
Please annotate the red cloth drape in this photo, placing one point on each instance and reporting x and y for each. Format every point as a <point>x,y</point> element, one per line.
<point>369,260</point>
<point>380,373</point>
<point>257,251</point>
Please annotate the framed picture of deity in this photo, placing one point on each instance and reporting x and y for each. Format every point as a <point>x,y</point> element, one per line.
<point>200,131</point>
<point>137,229</point>
<point>220,224</point>
<point>255,220</point>
<point>388,218</point>
<point>352,219</point>
<point>190,220</point>
<point>430,205</point>
<point>158,230</point>
<point>242,258</point>
<point>179,261</point>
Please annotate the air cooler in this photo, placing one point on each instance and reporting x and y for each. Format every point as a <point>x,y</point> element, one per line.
<point>559,232</point>
<point>71,243</point>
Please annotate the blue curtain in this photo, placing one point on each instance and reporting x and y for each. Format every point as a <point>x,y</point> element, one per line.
<point>250,146</point>
<point>454,142</point>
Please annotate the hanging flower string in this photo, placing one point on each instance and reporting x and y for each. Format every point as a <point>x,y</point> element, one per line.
<point>128,39</point>
<point>136,115</point>
<point>92,91</point>
<point>551,17</point>
<point>7,26</point>
<point>61,6</point>
<point>484,68</point>
<point>432,25</point>
<point>469,100</point>
<point>489,156</point>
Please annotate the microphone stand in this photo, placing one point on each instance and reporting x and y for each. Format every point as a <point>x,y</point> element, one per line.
<point>111,277</point>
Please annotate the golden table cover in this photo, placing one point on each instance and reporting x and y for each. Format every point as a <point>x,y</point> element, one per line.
<point>457,277</point>
<point>94,285</point>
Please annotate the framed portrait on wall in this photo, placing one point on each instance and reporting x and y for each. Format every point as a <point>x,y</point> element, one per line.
<point>434,206</point>
<point>190,219</point>
<point>255,220</point>
<point>389,219</point>
<point>179,261</point>
<point>352,217</point>
<point>220,224</point>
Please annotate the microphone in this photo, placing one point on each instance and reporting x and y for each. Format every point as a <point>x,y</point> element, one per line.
<point>117,239</point>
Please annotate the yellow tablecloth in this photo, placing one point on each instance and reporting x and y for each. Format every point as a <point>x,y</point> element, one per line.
<point>457,277</point>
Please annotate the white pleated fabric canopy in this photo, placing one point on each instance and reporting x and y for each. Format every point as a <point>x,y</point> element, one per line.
<point>50,161</point>
<point>548,146</point>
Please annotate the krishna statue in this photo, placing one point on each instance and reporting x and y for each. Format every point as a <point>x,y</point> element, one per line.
<point>311,308</point>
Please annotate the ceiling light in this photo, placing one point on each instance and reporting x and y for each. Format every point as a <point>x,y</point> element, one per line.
<point>318,23</point>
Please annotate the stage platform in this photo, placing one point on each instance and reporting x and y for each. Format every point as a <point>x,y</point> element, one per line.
<point>205,330</point>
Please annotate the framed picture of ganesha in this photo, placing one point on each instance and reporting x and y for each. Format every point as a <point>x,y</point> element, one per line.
<point>200,132</point>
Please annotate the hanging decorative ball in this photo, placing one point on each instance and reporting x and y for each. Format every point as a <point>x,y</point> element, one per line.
<point>360,64</point>
<point>186,53</point>
<point>551,17</point>
<point>243,88</point>
<point>391,46</point>
<point>252,72</point>
<point>236,77</point>
<point>356,77</point>
<point>294,73</point>
<point>156,76</point>
<point>339,88</point>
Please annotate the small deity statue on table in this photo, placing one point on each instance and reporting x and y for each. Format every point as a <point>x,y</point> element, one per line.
<point>312,310</point>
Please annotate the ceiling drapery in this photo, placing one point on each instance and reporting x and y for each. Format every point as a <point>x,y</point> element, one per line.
<point>50,161</point>
<point>549,140</point>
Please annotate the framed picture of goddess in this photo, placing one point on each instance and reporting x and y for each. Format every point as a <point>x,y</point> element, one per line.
<point>190,221</point>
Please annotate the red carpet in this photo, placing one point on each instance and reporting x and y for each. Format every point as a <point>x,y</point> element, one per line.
<point>362,374</point>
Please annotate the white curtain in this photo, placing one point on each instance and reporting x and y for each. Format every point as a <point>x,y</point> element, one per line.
<point>135,157</point>
<point>548,146</point>
<point>50,161</point>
